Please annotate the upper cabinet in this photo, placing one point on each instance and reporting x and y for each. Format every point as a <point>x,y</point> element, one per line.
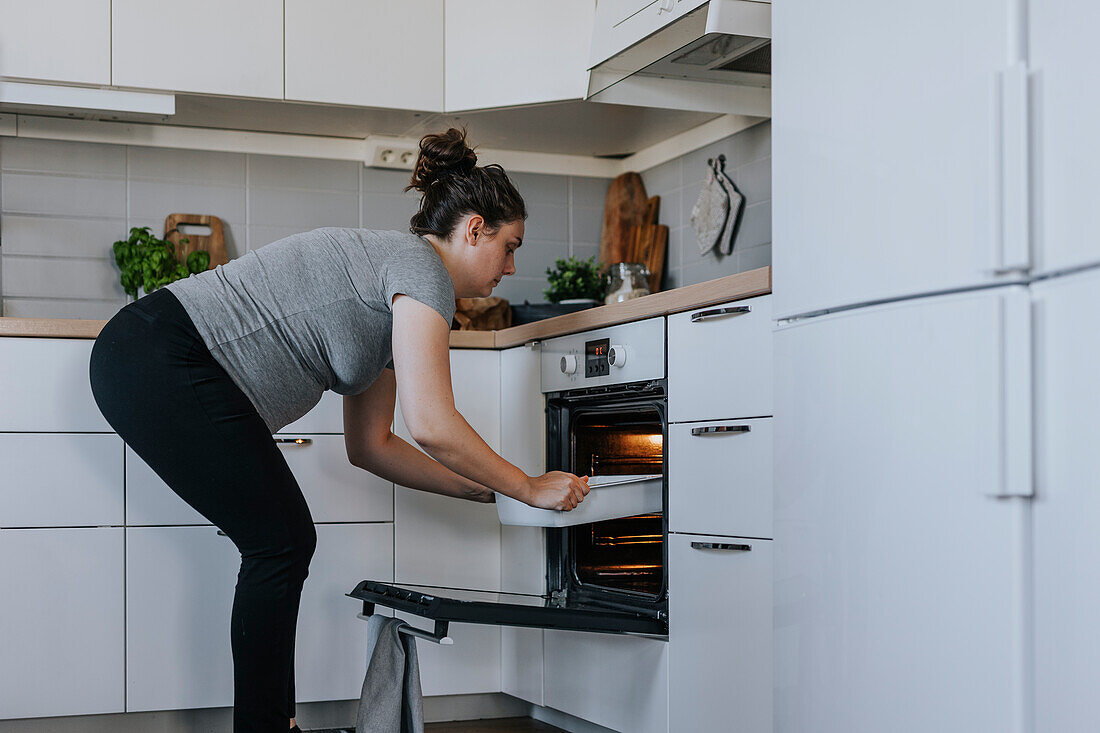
<point>502,53</point>
<point>367,54</point>
<point>207,46</point>
<point>35,45</point>
<point>886,180</point>
<point>622,23</point>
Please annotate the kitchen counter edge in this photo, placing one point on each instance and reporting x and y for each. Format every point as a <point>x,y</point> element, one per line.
<point>721,290</point>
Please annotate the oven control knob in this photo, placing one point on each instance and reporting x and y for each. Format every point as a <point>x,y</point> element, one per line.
<point>569,364</point>
<point>616,357</point>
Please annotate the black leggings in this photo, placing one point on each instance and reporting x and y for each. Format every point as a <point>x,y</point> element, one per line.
<point>162,391</point>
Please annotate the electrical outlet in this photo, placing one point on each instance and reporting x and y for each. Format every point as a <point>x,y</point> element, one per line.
<point>399,154</point>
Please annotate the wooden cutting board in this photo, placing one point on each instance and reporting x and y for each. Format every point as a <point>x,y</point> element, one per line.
<point>648,243</point>
<point>214,242</point>
<point>624,208</point>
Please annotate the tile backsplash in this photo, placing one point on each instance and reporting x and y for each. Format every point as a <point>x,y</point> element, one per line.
<point>62,205</point>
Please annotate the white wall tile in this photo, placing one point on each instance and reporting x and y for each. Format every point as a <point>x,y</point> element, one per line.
<point>61,277</point>
<point>272,171</point>
<point>55,156</point>
<point>756,226</point>
<point>590,191</point>
<point>754,180</point>
<point>380,180</point>
<point>310,209</point>
<point>587,224</point>
<point>542,189</point>
<point>663,178</point>
<point>62,195</point>
<point>536,255</point>
<point>195,166</point>
<point>100,310</point>
<point>56,237</point>
<point>389,211</point>
<point>157,199</point>
<point>547,222</point>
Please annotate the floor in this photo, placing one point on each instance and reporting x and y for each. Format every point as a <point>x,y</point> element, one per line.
<point>499,725</point>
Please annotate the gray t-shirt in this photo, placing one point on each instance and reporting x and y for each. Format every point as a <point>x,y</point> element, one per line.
<point>311,312</point>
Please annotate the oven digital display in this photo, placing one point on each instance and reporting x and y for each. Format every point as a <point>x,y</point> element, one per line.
<point>595,358</point>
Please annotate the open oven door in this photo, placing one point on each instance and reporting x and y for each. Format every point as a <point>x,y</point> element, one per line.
<point>501,609</point>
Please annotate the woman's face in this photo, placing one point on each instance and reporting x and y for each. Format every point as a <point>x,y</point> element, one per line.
<point>490,256</point>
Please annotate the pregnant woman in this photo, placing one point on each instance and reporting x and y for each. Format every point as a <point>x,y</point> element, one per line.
<point>196,377</point>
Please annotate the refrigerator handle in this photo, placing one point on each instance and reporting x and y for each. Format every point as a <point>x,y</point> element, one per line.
<point>1010,202</point>
<point>1016,397</point>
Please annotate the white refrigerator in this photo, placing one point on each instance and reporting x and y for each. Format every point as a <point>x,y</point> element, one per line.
<point>937,491</point>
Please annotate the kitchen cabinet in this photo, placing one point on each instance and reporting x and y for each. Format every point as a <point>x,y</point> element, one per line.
<point>1066,595</point>
<point>720,477</point>
<point>444,541</point>
<point>880,191</point>
<point>53,393</point>
<point>335,490</point>
<point>619,24</point>
<point>901,436</point>
<point>368,54</point>
<point>34,45</point>
<point>720,634</point>
<point>331,642</point>
<point>720,361</point>
<point>233,49</point>
<point>1064,116</point>
<point>179,599</point>
<point>500,53</point>
<point>62,621</point>
<point>61,480</point>
<point>620,682</point>
<point>522,549</point>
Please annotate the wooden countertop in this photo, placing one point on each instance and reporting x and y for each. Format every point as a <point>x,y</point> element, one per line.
<point>724,289</point>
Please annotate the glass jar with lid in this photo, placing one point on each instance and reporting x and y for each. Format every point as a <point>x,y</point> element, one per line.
<point>628,280</point>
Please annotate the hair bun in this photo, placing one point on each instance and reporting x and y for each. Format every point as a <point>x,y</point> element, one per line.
<point>440,155</point>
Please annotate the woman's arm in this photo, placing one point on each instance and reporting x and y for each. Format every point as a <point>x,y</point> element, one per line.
<point>372,446</point>
<point>421,354</point>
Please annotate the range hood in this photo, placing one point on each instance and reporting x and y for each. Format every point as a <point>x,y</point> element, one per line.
<point>714,57</point>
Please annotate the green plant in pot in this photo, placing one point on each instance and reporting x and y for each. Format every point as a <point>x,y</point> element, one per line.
<point>147,262</point>
<point>573,279</point>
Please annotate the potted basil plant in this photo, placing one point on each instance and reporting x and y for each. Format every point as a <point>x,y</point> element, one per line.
<point>146,262</point>
<point>574,284</point>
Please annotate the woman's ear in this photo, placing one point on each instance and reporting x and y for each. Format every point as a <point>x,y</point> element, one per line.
<point>475,226</point>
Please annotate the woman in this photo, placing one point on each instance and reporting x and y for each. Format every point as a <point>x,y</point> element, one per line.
<point>197,376</point>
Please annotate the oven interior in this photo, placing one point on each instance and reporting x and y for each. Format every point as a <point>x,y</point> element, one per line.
<point>618,563</point>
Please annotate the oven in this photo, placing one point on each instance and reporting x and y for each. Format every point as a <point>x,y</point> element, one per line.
<point>605,397</point>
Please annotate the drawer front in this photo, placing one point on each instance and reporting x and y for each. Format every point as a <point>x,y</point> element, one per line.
<point>334,489</point>
<point>720,634</point>
<point>720,478</point>
<point>60,480</point>
<point>45,387</point>
<point>720,364</point>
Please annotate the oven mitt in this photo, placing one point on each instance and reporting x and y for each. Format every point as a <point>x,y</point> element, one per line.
<point>725,242</point>
<point>709,213</point>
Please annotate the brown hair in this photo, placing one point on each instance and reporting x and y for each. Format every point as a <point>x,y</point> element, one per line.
<point>453,185</point>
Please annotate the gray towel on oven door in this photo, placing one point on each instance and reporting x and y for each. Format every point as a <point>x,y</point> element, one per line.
<point>392,701</point>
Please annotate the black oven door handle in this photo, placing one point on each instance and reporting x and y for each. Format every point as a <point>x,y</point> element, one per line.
<point>711,429</point>
<point>720,546</point>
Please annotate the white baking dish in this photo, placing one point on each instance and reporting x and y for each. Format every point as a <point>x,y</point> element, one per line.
<point>611,497</point>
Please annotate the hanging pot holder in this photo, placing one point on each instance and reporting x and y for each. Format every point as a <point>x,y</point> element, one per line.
<point>725,242</point>
<point>709,213</point>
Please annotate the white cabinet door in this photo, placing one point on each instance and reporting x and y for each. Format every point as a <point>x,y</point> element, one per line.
<point>327,416</point>
<point>150,501</point>
<point>444,541</point>
<point>883,173</point>
<point>539,52</point>
<point>1067,504</point>
<point>56,40</point>
<point>619,24</point>
<point>620,682</point>
<point>720,634</point>
<point>720,361</point>
<point>213,48</point>
<point>335,490</point>
<point>45,387</point>
<point>366,54</point>
<point>179,597</point>
<point>522,549</point>
<point>720,478</point>
<point>61,622</point>
<point>60,480</point>
<point>898,564</point>
<point>1065,112</point>
<point>331,643</point>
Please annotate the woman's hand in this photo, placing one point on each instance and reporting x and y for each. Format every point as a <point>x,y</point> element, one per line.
<point>557,490</point>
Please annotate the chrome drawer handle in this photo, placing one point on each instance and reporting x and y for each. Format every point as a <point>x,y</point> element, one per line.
<point>720,546</point>
<point>721,429</point>
<point>295,441</point>
<point>738,310</point>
